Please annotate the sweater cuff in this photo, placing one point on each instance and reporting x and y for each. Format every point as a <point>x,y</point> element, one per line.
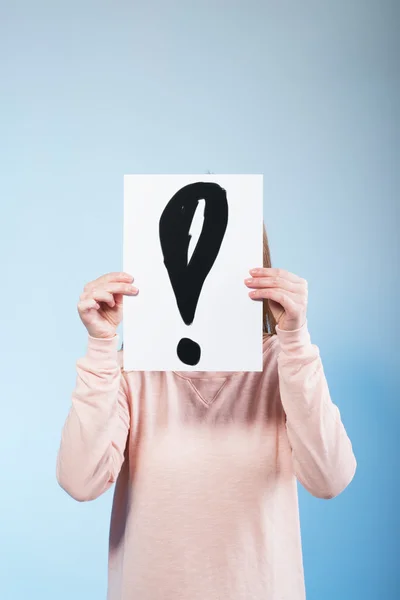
<point>292,341</point>
<point>102,348</point>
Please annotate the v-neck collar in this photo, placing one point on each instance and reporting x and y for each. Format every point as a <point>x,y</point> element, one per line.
<point>216,380</point>
<point>207,385</point>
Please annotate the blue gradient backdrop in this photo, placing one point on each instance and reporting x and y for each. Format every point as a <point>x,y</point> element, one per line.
<point>306,93</point>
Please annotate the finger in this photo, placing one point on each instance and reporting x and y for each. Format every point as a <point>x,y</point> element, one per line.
<point>120,288</point>
<point>103,296</point>
<point>109,277</point>
<point>278,273</point>
<point>272,282</point>
<point>119,299</point>
<point>118,276</point>
<point>113,288</point>
<point>288,300</point>
<point>86,305</point>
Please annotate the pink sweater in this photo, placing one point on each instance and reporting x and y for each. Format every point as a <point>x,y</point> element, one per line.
<point>205,506</point>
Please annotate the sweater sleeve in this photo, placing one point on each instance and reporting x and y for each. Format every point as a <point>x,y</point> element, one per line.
<point>323,458</point>
<point>94,435</point>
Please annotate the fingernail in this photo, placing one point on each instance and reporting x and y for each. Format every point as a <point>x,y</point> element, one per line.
<point>254,271</point>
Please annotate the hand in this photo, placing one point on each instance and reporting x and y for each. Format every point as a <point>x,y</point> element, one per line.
<point>286,294</point>
<point>100,305</point>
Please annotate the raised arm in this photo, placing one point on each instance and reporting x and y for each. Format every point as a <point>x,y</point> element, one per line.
<point>323,457</point>
<point>95,432</point>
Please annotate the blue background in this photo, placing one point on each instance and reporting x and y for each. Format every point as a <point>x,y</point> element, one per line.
<point>306,93</point>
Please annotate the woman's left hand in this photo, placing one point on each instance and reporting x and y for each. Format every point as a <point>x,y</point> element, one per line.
<point>286,293</point>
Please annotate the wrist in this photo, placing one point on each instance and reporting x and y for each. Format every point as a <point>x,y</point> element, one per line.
<point>291,341</point>
<point>103,348</point>
<point>101,337</point>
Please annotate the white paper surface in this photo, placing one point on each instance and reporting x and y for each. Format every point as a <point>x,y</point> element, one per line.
<point>227,324</point>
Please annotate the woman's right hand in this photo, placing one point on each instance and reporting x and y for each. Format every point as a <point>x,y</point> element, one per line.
<point>100,304</point>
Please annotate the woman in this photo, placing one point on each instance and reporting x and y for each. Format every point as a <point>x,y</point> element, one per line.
<point>205,505</point>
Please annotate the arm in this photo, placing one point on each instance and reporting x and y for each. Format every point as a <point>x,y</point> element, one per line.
<point>95,432</point>
<point>323,457</point>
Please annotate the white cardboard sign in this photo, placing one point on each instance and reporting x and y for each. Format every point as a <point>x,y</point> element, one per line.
<point>189,242</point>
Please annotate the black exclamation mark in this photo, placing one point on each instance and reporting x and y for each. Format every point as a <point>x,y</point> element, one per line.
<point>187,277</point>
